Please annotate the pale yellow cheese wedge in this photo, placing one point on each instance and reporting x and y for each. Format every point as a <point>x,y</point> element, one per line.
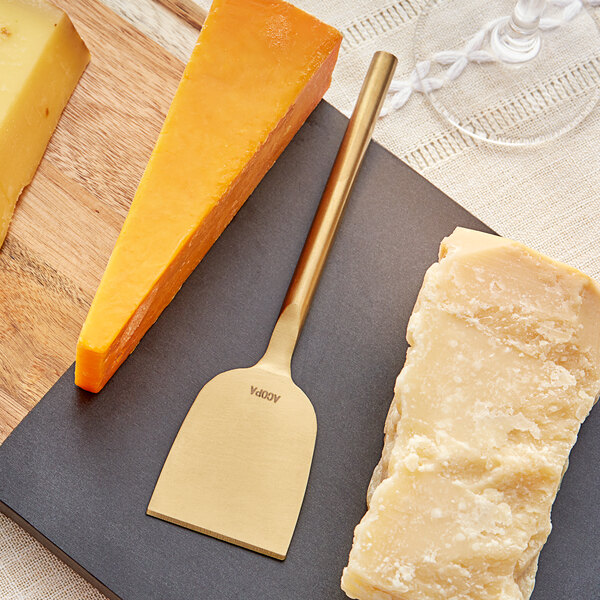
<point>41,59</point>
<point>503,367</point>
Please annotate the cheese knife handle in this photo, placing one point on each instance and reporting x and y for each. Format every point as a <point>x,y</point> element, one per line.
<point>329,212</point>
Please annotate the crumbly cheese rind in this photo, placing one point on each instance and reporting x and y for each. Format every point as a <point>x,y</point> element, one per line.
<point>502,369</point>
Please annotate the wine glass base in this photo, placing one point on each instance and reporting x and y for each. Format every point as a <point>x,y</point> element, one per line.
<point>503,102</point>
<point>513,51</point>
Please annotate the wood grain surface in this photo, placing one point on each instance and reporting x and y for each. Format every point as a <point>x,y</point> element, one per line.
<point>188,10</point>
<point>67,220</point>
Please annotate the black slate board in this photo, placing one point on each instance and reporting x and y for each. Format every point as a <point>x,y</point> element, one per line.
<point>80,469</point>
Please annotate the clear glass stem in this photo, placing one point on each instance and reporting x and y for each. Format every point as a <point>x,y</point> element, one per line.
<point>518,39</point>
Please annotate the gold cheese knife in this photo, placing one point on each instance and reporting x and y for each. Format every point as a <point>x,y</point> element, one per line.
<point>239,465</point>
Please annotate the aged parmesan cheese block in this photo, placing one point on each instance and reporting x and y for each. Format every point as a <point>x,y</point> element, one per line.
<point>258,70</point>
<point>41,60</point>
<point>503,367</point>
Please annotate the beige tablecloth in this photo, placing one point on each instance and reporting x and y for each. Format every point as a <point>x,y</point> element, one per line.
<point>545,196</point>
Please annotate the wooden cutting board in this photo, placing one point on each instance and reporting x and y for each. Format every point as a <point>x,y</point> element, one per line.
<point>68,219</point>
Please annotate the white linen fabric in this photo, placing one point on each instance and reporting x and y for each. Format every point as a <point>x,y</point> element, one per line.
<point>545,196</point>
<point>30,572</point>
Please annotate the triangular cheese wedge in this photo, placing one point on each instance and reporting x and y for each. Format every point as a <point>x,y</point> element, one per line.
<point>258,70</point>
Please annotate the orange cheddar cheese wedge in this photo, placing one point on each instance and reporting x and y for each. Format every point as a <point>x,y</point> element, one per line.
<point>258,70</point>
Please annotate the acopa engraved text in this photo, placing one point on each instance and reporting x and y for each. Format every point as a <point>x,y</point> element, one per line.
<point>270,396</point>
